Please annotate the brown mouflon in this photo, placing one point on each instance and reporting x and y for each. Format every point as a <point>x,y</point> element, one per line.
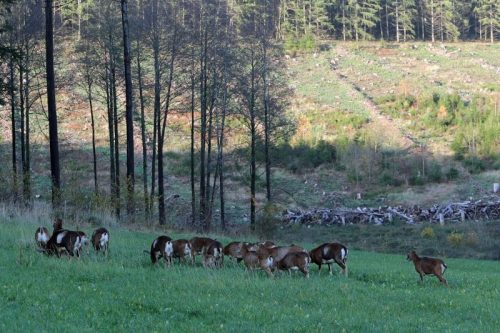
<point>295,261</point>
<point>427,266</point>
<point>158,249</point>
<point>100,240</point>
<point>329,253</point>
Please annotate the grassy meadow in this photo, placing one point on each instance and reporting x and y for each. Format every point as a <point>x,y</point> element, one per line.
<point>125,293</point>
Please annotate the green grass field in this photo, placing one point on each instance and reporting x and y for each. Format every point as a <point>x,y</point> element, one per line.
<point>125,293</point>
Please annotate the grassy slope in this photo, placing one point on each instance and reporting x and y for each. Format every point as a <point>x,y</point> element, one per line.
<point>124,292</point>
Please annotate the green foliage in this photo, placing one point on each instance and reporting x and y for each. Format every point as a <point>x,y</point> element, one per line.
<point>306,43</point>
<point>303,156</point>
<point>456,239</point>
<point>428,232</point>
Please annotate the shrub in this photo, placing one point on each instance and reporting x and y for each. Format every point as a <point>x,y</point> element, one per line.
<point>474,164</point>
<point>456,239</point>
<point>428,232</point>
<point>268,221</point>
<point>452,174</point>
<point>434,173</point>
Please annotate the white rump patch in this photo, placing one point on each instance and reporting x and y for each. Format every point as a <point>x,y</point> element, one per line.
<point>78,244</point>
<point>325,251</point>
<point>60,237</point>
<point>343,253</point>
<point>187,249</point>
<point>42,237</point>
<point>154,243</point>
<point>443,268</point>
<point>104,239</point>
<point>169,248</point>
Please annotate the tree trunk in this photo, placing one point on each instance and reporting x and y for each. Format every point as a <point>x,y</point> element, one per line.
<point>51,104</point>
<point>397,21</point>
<point>111,131</point>
<point>157,102</point>
<point>117,137</point>
<point>266,124</point>
<point>193,194</point>
<point>143,134</point>
<point>433,38</point>
<point>92,123</point>
<point>27,151</point>
<point>203,125</point>
<point>12,91</point>
<point>129,111</point>
<point>253,134</point>
<point>22,128</point>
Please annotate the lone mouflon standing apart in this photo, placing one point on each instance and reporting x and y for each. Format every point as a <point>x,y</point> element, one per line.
<point>329,253</point>
<point>159,249</point>
<point>426,266</point>
<point>100,240</point>
<point>42,237</point>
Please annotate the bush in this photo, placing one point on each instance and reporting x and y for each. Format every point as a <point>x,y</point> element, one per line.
<point>268,221</point>
<point>428,232</point>
<point>474,165</point>
<point>456,239</point>
<point>452,174</point>
<point>434,173</point>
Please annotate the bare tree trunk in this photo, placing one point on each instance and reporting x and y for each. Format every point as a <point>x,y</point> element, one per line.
<point>143,134</point>
<point>253,134</point>
<point>220,157</point>
<point>387,19</point>
<point>432,22</point>
<point>12,92</point>
<point>111,131</point>
<point>397,21</point>
<point>157,102</point>
<point>203,125</point>
<point>117,144</point>
<point>266,123</point>
<point>51,103</point>
<point>23,128</point>
<point>27,152</point>
<point>343,21</point>
<point>79,13</point>
<point>92,122</point>
<point>129,111</point>
<point>193,194</point>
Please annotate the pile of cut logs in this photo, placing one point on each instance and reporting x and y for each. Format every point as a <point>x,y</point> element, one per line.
<point>484,209</point>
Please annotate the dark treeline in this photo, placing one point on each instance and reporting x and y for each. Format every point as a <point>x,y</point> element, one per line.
<point>217,63</point>
<point>398,20</point>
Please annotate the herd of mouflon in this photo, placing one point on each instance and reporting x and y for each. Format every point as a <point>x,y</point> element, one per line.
<point>266,256</point>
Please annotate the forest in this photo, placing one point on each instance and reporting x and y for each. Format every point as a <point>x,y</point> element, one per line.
<point>203,82</point>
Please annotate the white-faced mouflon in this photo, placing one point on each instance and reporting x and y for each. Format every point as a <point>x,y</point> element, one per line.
<point>42,237</point>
